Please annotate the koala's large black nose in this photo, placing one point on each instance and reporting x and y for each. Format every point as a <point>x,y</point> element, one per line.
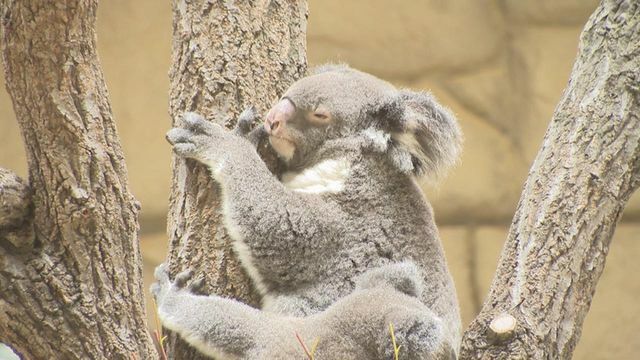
<point>271,123</point>
<point>278,116</point>
<point>274,124</point>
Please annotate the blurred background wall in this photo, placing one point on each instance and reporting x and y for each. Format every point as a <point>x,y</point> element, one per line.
<point>500,65</point>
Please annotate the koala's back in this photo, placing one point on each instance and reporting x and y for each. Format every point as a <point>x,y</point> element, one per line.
<point>389,222</point>
<point>397,224</point>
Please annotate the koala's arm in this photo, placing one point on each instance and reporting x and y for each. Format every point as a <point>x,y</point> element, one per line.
<point>218,327</point>
<point>257,207</point>
<point>355,327</point>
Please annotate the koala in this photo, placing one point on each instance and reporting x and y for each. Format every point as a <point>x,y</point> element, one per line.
<point>354,327</point>
<point>348,205</point>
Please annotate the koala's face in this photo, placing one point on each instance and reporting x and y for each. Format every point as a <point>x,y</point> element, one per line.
<point>324,106</point>
<point>409,129</point>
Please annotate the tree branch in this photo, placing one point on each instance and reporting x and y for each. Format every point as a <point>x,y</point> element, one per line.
<point>16,209</point>
<point>78,292</point>
<point>578,186</point>
<point>226,56</point>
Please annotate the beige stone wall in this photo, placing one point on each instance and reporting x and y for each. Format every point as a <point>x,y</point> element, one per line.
<point>501,65</point>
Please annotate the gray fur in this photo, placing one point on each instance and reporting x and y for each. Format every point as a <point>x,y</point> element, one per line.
<point>317,258</point>
<point>347,329</point>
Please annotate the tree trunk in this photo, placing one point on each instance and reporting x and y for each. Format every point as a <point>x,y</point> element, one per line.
<point>70,269</point>
<point>226,56</point>
<point>70,265</point>
<point>579,184</point>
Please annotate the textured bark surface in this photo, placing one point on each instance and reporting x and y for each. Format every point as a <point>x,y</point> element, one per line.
<point>75,289</point>
<point>576,191</point>
<point>16,220</point>
<point>226,56</point>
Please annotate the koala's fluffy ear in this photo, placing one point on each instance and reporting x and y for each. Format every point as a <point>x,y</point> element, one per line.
<point>424,137</point>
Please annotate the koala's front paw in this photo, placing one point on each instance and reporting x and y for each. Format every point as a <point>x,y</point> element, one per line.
<point>245,126</point>
<point>246,120</point>
<point>196,138</point>
<point>163,286</point>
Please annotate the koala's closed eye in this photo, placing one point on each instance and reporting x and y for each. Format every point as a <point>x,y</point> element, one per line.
<point>320,116</point>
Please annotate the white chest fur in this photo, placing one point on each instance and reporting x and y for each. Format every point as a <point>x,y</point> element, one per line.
<point>328,176</point>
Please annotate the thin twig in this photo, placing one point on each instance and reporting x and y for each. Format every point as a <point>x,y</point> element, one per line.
<point>396,349</point>
<point>310,354</point>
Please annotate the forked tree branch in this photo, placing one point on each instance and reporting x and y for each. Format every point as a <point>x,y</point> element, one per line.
<point>73,289</point>
<point>577,188</point>
<point>70,281</point>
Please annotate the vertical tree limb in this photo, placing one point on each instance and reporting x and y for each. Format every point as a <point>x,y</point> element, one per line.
<point>75,289</point>
<point>579,184</point>
<point>226,56</point>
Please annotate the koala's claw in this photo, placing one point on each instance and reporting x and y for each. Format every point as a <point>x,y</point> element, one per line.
<point>162,281</point>
<point>183,277</point>
<point>246,120</point>
<point>191,140</point>
<point>162,272</point>
<point>196,285</point>
<point>164,285</point>
<point>197,123</point>
<point>186,150</point>
<point>178,135</point>
<point>249,115</point>
<point>249,127</point>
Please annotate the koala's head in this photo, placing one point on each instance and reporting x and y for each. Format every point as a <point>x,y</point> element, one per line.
<point>416,134</point>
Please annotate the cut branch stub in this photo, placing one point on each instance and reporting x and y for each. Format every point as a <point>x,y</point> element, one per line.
<point>501,328</point>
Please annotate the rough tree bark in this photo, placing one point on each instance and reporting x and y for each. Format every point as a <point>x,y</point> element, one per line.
<point>70,281</point>
<point>226,56</point>
<point>579,184</point>
<point>70,265</point>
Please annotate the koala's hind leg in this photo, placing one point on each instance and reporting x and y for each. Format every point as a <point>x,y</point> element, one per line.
<point>216,326</point>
